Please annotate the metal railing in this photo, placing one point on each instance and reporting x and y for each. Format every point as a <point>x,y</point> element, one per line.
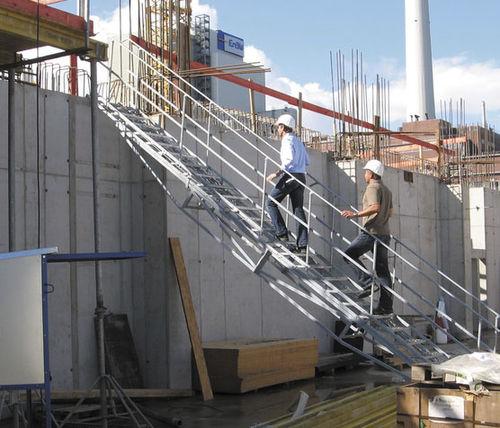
<point>317,227</point>
<point>154,149</point>
<point>261,125</point>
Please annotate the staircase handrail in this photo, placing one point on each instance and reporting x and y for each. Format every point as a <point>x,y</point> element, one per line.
<point>315,194</point>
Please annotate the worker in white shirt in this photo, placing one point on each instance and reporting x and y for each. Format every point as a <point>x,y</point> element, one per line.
<point>294,161</point>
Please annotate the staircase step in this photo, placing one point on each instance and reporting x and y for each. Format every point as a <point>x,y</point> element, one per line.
<point>418,341</point>
<point>334,278</point>
<point>236,197</point>
<point>240,208</point>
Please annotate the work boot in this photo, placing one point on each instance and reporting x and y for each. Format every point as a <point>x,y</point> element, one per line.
<point>282,238</point>
<point>380,310</point>
<point>297,250</point>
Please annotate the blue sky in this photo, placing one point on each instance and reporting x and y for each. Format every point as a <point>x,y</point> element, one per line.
<point>295,38</point>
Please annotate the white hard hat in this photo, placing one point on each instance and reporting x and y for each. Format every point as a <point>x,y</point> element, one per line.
<point>287,120</point>
<point>375,166</point>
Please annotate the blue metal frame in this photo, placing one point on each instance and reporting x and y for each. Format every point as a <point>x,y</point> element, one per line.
<point>93,257</point>
<point>45,303</point>
<point>48,256</point>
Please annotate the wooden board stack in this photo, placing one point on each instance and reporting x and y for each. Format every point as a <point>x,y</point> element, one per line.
<point>246,365</point>
<point>375,408</point>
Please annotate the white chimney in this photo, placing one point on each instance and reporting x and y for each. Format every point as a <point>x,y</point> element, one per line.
<point>419,80</point>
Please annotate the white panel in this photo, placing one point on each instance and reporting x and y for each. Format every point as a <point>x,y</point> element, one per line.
<point>21,325</point>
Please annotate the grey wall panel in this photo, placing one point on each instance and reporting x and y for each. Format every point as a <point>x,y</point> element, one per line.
<point>21,333</point>
<point>56,133</point>
<point>212,285</point>
<point>60,326</point>
<point>4,120</point>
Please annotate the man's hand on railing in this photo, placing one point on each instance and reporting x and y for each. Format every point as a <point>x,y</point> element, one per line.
<point>273,176</point>
<point>348,214</point>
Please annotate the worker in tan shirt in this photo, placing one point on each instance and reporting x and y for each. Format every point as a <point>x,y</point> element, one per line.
<point>377,209</point>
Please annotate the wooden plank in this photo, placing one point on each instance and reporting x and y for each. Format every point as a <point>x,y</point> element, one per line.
<point>189,313</point>
<point>374,408</point>
<point>51,14</point>
<point>235,385</point>
<point>19,30</point>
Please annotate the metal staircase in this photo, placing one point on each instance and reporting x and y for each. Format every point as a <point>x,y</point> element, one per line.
<point>207,166</point>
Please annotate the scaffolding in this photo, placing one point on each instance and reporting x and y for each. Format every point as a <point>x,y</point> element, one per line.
<point>201,52</point>
<point>166,25</point>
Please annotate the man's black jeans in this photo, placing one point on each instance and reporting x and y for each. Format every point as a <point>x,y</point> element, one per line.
<point>288,186</point>
<point>361,245</point>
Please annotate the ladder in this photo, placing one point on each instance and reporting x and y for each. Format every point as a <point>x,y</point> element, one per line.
<point>193,152</point>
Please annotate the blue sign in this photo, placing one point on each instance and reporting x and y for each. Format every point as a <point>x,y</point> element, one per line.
<point>229,43</point>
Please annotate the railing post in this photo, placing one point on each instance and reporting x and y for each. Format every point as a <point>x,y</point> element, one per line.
<point>209,132</point>
<point>287,210</point>
<point>263,200</point>
<point>394,264</point>
<point>374,263</point>
<point>253,118</point>
<point>496,334</point>
<point>309,208</point>
<point>479,328</point>
<point>183,119</point>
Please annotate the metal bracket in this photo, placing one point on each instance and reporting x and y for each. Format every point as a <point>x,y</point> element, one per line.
<point>262,261</point>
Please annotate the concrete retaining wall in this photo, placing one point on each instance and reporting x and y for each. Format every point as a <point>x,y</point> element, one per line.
<point>136,215</point>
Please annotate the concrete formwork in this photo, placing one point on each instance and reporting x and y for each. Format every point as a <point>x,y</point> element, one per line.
<point>229,301</point>
<point>485,232</point>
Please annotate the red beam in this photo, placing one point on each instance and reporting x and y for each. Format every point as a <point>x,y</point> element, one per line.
<point>284,97</point>
<point>47,13</point>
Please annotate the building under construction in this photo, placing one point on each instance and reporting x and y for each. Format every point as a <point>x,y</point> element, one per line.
<point>139,261</point>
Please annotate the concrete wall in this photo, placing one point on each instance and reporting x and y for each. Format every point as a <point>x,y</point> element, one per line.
<point>67,222</point>
<point>485,239</point>
<point>230,302</point>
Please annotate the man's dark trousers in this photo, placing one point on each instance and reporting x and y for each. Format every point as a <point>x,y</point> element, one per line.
<point>361,245</point>
<point>288,186</point>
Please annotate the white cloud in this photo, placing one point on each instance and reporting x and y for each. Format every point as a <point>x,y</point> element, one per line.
<point>204,9</point>
<point>311,91</point>
<point>455,78</point>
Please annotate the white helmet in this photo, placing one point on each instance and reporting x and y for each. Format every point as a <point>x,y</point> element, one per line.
<point>375,166</point>
<point>287,120</point>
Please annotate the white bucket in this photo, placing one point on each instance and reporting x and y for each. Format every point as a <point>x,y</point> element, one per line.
<point>440,337</point>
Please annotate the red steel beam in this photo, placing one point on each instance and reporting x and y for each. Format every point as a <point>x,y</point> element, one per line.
<point>47,13</point>
<point>285,97</point>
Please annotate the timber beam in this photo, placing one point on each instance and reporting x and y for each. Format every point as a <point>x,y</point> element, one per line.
<point>18,29</point>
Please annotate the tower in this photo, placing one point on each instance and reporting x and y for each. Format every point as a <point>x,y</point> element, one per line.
<point>419,77</point>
